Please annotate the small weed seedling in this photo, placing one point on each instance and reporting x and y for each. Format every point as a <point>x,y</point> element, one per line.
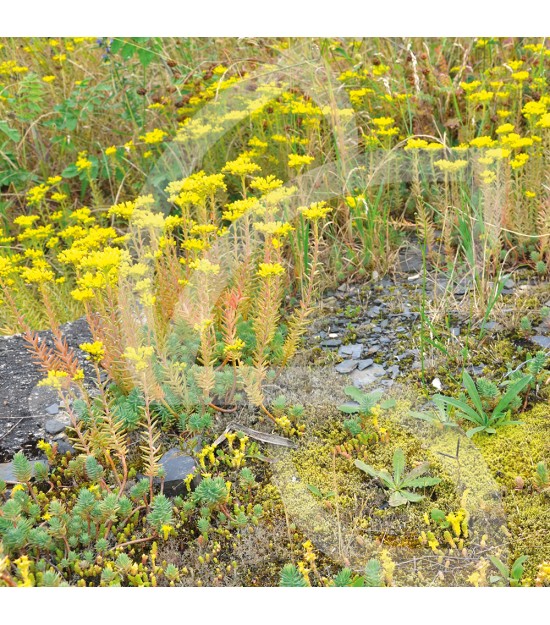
<point>401,484</point>
<point>511,575</point>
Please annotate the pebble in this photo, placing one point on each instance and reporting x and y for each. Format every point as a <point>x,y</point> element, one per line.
<point>177,466</point>
<point>52,409</point>
<point>64,447</point>
<point>53,427</point>
<point>393,371</point>
<point>493,325</point>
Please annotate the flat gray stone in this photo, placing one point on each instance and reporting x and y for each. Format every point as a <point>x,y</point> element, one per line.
<point>347,366</point>
<point>542,341</point>
<point>360,379</point>
<point>64,447</point>
<point>393,371</point>
<point>52,409</point>
<point>331,343</point>
<point>24,404</point>
<point>363,364</point>
<point>353,350</point>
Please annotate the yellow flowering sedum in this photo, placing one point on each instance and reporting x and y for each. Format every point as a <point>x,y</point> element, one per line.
<point>95,350</point>
<point>267,270</point>
<point>297,160</point>
<point>315,211</point>
<point>242,166</point>
<point>205,266</point>
<point>83,163</point>
<point>140,356</point>
<point>451,166</point>
<point>153,136</point>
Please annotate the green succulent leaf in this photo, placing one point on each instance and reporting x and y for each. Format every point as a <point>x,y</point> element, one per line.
<point>410,496</point>
<point>418,471</point>
<point>373,574</point>
<point>291,577</point>
<point>22,467</point>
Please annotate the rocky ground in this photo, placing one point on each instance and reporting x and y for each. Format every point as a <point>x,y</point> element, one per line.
<point>370,333</point>
<point>29,412</point>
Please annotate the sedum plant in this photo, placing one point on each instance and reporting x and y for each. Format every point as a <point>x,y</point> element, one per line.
<point>365,401</point>
<point>291,577</point>
<point>363,407</point>
<point>372,577</point>
<point>439,417</point>
<point>401,484</point>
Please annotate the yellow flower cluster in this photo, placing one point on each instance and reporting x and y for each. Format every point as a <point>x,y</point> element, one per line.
<point>154,136</point>
<point>204,265</point>
<point>297,161</point>
<point>83,163</point>
<point>268,270</point>
<point>315,211</point>
<point>451,166</point>
<point>139,356</point>
<point>241,166</point>
<point>95,350</point>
